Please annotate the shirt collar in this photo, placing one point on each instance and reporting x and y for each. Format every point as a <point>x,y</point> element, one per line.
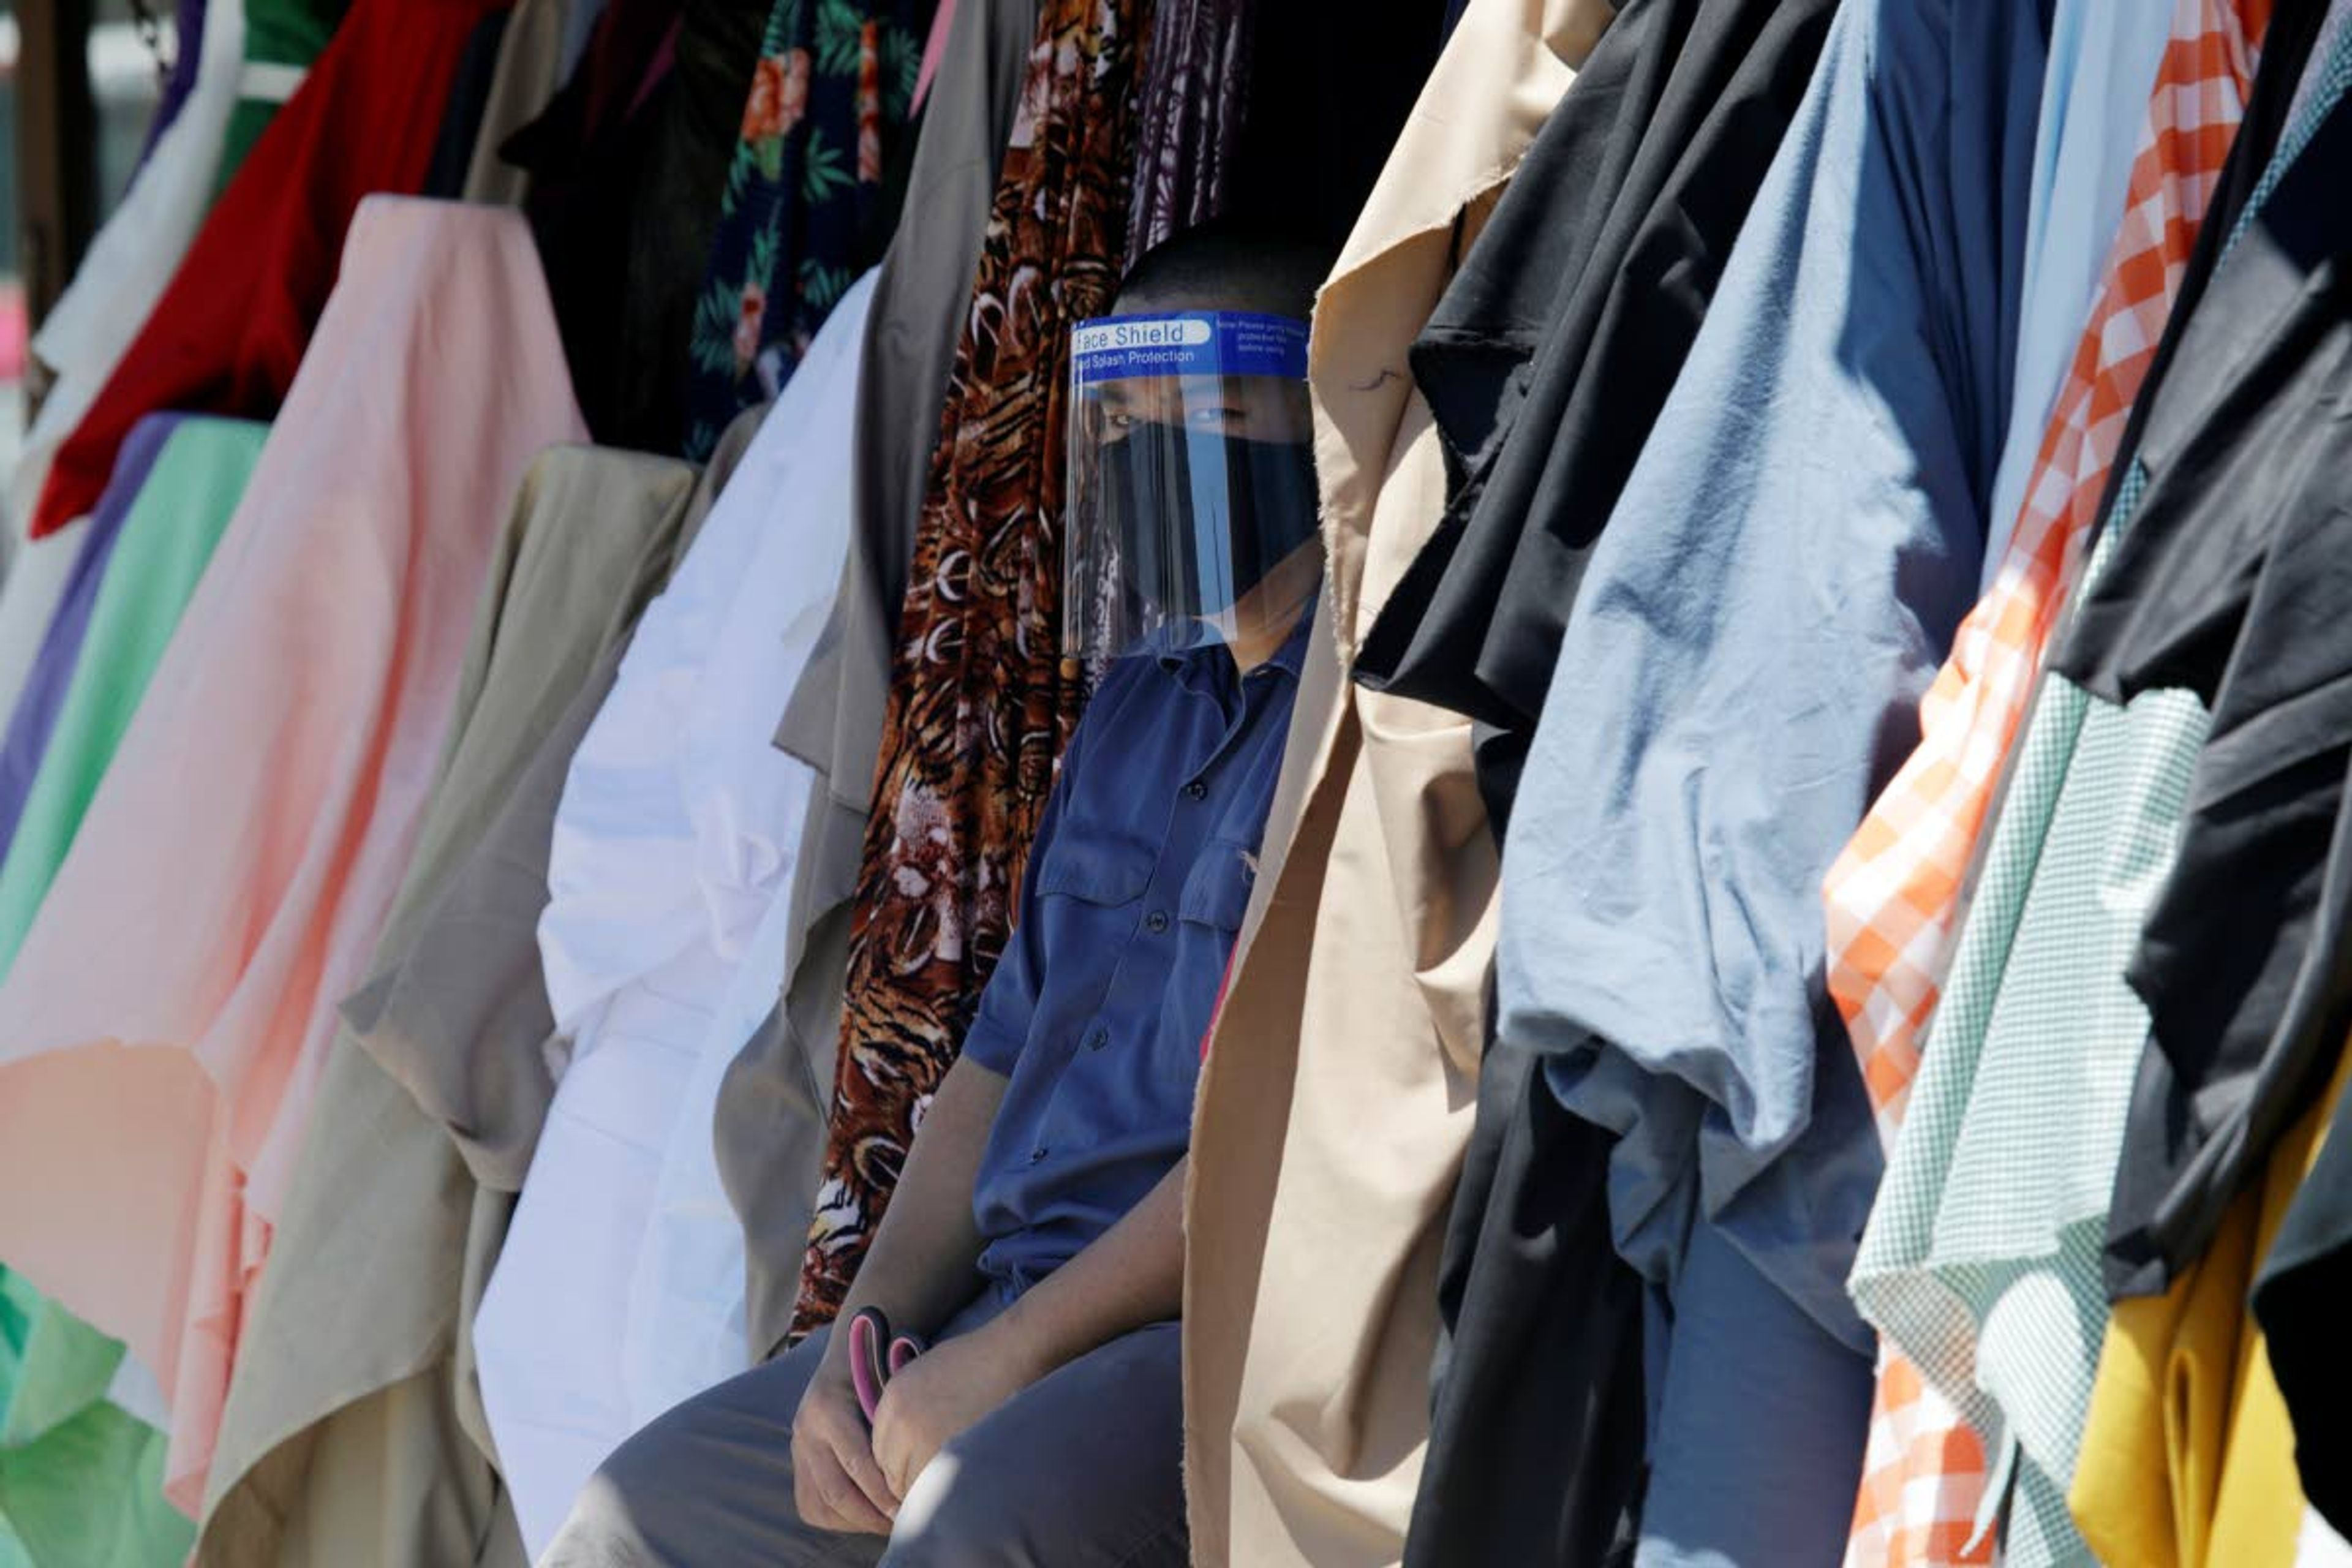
<point>1290,658</point>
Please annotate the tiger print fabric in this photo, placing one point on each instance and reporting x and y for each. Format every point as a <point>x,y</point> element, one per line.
<point>978,710</point>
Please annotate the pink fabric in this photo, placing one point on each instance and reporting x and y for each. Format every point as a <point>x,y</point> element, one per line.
<point>165,1021</point>
<point>935,46</point>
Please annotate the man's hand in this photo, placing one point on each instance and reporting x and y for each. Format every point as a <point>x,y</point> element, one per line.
<point>837,1484</point>
<point>942,1393</point>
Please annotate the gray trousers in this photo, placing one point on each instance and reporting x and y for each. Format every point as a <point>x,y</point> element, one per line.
<point>1083,1469</point>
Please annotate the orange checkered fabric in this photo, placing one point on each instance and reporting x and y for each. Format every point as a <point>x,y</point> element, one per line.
<point>1892,898</point>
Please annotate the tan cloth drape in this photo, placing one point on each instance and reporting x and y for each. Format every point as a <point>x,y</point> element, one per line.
<point>530,69</point>
<point>353,1432</point>
<point>1337,1098</point>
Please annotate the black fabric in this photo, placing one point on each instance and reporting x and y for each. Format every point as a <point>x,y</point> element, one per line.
<point>461,118</point>
<point>1201,518</point>
<point>1330,83</point>
<point>2229,583</point>
<point>1554,348</point>
<point>1537,1436</point>
<point>628,167</point>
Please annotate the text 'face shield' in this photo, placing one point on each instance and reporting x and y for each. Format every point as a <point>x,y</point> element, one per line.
<point>1192,484</point>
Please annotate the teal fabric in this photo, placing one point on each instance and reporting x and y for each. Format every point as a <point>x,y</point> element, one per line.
<point>80,1478</point>
<point>165,543</point>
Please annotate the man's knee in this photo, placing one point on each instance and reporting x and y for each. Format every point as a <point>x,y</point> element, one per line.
<point>953,1518</point>
<point>601,1531</point>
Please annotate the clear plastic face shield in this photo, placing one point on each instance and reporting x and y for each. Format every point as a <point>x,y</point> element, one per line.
<point>1191,485</point>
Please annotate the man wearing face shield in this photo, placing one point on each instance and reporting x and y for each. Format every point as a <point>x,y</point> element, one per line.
<point>1035,1244</point>
<point>1192,487</point>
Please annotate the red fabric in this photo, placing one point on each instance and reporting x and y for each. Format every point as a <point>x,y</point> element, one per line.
<point>1217,1012</point>
<point>227,333</point>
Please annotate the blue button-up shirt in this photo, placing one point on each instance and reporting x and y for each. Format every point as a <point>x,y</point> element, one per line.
<point>1142,868</point>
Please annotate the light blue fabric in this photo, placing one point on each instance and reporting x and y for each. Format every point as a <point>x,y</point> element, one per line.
<point>1761,1422</point>
<point>1743,670</point>
<point>2095,102</point>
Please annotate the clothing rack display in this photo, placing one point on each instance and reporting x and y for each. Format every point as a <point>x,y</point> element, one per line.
<point>633,722</point>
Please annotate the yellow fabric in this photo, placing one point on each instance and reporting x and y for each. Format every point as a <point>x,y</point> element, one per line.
<point>2188,1457</point>
<point>1338,1093</point>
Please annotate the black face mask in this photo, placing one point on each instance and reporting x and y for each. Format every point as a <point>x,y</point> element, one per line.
<point>1206,517</point>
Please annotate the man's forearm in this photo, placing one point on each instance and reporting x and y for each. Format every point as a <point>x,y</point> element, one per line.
<point>1132,1274</point>
<point>920,1270</point>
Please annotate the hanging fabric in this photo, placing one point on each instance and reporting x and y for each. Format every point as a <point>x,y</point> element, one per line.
<point>1894,898</point>
<point>226,336</point>
<point>2223,588</point>
<point>650,910</point>
<point>65,1447</point>
<point>1546,365</point>
<point>303,773</point>
<point>977,712</point>
<point>779,1088</point>
<point>59,650</point>
<point>2188,1452</point>
<point>1703,746</point>
<point>348,1427</point>
<point>1981,1262</point>
<point>1196,84</point>
<point>832,92</point>
<point>628,169</point>
<point>530,60</point>
<point>1336,1099</point>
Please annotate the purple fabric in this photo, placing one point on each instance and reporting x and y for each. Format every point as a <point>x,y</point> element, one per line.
<point>53,666</point>
<point>189,22</point>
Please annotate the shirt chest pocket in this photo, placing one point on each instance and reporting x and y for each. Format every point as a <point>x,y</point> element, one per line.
<point>1094,869</point>
<point>1217,892</point>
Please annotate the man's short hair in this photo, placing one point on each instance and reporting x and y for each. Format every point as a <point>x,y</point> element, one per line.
<point>1225,265</point>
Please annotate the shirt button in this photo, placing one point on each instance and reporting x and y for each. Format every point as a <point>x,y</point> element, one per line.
<point>1037,1156</point>
<point>1196,790</point>
<point>1098,1039</point>
<point>1156,921</point>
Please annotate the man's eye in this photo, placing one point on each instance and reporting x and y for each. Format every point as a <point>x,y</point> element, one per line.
<point>1215,418</point>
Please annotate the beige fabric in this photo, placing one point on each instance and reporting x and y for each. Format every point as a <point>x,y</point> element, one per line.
<point>353,1432</point>
<point>1339,1094</point>
<point>773,1107</point>
<point>530,69</point>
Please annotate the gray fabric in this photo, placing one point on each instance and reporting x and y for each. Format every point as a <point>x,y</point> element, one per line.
<point>440,1015</point>
<point>1759,1433</point>
<point>1080,1470</point>
<point>770,1125</point>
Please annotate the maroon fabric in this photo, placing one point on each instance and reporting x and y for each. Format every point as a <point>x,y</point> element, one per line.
<point>227,333</point>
